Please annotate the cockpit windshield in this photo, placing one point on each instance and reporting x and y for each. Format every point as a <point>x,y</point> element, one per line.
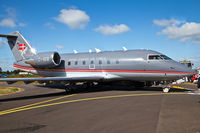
<point>158,57</point>
<point>165,57</point>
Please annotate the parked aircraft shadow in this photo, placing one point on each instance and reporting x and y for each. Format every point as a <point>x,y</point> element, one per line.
<point>98,88</point>
<point>33,96</point>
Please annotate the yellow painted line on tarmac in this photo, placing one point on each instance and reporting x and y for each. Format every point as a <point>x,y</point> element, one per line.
<point>29,105</point>
<point>88,99</point>
<point>178,87</point>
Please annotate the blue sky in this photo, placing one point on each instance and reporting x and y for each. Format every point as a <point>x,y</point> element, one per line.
<point>171,27</point>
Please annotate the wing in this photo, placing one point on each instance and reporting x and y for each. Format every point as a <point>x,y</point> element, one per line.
<point>43,79</point>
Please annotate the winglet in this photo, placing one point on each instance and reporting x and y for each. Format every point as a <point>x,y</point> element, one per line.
<point>97,50</point>
<point>124,48</point>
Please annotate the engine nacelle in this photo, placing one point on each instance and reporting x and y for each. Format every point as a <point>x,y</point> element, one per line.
<point>45,60</point>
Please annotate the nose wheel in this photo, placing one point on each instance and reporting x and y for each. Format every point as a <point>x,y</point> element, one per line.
<point>166,89</point>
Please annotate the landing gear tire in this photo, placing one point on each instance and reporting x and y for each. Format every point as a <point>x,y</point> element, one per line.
<point>67,90</point>
<point>88,85</point>
<point>166,90</point>
<point>70,88</point>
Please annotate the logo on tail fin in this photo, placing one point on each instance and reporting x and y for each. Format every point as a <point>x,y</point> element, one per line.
<point>22,46</point>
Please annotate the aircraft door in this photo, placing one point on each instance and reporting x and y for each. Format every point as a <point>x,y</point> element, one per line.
<point>92,63</point>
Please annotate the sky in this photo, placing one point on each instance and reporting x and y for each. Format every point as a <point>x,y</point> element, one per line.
<point>171,27</point>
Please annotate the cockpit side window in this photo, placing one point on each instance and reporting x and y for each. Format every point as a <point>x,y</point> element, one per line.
<point>154,57</point>
<point>158,57</point>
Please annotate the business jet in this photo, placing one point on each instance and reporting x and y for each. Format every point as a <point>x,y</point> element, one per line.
<point>138,67</point>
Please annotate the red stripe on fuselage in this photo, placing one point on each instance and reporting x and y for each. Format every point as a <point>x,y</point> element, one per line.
<point>99,70</point>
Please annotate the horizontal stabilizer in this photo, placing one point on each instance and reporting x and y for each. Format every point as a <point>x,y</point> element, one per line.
<point>2,35</point>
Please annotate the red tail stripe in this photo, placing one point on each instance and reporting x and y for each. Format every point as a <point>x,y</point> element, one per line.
<point>21,48</point>
<point>21,44</point>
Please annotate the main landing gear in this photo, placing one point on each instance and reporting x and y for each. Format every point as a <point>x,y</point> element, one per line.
<point>70,87</point>
<point>73,87</point>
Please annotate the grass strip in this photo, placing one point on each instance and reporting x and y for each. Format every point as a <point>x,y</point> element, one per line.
<point>8,90</point>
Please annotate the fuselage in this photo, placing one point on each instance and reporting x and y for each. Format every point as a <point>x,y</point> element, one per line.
<point>136,65</point>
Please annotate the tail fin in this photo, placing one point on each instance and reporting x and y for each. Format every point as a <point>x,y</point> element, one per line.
<point>21,49</point>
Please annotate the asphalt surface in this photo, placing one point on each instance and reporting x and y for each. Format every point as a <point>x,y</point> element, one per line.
<point>103,109</point>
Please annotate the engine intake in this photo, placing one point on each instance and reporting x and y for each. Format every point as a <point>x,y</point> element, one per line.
<point>45,60</point>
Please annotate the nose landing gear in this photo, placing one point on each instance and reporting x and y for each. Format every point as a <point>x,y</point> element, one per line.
<point>167,86</point>
<point>166,89</point>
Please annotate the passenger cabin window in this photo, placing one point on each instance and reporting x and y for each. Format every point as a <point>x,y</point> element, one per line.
<point>91,62</point>
<point>84,62</point>
<point>117,62</point>
<point>108,62</point>
<point>76,63</point>
<point>69,63</point>
<point>100,61</point>
<point>158,57</point>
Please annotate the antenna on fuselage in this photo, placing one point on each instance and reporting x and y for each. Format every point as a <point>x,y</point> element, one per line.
<point>97,50</point>
<point>75,51</point>
<point>124,48</point>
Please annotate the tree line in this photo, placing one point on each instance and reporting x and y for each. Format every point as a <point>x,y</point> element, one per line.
<point>9,72</point>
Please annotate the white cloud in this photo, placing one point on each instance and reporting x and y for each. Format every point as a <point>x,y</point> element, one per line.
<point>22,24</point>
<point>74,18</point>
<point>188,31</point>
<point>50,25</point>
<point>165,22</point>
<point>59,47</point>
<point>110,30</point>
<point>11,12</point>
<point>9,19</point>
<point>8,22</point>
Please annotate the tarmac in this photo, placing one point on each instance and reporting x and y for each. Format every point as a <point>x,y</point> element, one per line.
<point>102,109</point>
